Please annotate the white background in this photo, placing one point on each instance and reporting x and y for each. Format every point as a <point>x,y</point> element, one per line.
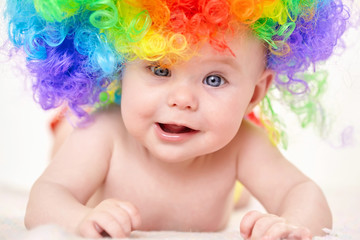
<point>25,138</point>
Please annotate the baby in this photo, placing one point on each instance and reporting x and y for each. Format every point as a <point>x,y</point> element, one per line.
<point>168,156</point>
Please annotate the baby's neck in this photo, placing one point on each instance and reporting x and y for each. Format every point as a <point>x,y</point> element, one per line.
<point>174,165</point>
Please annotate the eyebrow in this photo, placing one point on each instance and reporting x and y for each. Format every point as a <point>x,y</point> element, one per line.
<point>229,61</point>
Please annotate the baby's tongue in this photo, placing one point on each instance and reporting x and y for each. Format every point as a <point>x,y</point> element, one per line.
<point>172,128</point>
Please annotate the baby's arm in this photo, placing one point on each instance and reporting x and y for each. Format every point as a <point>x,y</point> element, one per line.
<point>74,174</point>
<point>296,205</point>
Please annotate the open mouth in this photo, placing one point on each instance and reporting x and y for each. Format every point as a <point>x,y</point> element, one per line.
<point>175,129</point>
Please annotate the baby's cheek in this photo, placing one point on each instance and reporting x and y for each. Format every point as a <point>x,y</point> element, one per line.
<point>226,131</point>
<point>130,118</point>
<point>229,124</point>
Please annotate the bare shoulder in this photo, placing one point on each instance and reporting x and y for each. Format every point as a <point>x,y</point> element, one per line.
<point>97,135</point>
<point>105,123</point>
<point>107,118</point>
<point>102,126</point>
<point>252,138</point>
<point>256,151</point>
<point>97,124</point>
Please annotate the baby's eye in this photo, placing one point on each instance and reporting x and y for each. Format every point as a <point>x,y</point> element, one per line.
<point>214,80</point>
<point>160,71</point>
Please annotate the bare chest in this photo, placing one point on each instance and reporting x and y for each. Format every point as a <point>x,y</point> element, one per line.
<point>197,199</point>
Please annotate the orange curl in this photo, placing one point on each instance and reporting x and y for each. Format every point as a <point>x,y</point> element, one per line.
<point>282,48</point>
<point>159,12</point>
<point>247,11</point>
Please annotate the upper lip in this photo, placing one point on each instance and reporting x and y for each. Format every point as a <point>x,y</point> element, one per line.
<point>177,124</point>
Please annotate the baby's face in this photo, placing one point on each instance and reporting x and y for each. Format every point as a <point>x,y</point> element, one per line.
<point>193,108</point>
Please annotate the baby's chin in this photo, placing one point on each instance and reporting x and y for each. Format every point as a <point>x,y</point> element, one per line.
<point>173,157</point>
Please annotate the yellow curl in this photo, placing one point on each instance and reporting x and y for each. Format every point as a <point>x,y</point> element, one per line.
<point>177,43</point>
<point>276,11</point>
<point>152,47</point>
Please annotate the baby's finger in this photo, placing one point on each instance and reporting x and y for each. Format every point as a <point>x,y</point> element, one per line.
<point>122,217</point>
<point>280,230</point>
<point>106,224</point>
<point>88,230</point>
<point>286,231</point>
<point>133,213</point>
<point>248,222</point>
<point>263,225</point>
<point>300,233</point>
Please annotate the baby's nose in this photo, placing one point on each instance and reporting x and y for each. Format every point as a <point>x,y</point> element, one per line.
<point>184,98</point>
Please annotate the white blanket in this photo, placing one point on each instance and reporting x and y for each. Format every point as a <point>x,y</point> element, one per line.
<point>345,204</point>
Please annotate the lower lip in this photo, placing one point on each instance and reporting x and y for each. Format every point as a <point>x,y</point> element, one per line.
<point>173,137</point>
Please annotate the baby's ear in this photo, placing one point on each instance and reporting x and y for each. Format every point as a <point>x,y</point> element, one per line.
<point>261,88</point>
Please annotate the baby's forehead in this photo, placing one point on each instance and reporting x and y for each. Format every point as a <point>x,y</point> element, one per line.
<point>242,48</point>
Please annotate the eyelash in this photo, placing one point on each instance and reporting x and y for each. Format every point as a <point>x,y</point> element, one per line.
<point>153,68</point>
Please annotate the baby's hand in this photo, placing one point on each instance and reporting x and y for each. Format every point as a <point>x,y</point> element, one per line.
<point>110,218</point>
<point>260,226</point>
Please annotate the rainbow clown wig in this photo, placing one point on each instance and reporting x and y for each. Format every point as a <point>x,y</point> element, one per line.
<point>76,48</point>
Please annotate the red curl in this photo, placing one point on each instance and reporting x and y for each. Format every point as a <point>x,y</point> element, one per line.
<point>217,12</point>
